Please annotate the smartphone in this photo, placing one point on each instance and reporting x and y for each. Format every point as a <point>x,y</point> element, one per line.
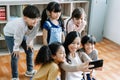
<point>96,63</point>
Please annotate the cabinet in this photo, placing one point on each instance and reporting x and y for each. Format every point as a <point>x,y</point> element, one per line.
<point>14,9</point>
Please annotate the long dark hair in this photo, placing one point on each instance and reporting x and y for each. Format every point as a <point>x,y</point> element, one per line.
<point>52,6</point>
<point>68,40</point>
<point>45,53</point>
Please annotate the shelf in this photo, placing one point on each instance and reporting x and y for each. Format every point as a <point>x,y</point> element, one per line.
<point>14,10</point>
<point>1,38</point>
<point>1,22</point>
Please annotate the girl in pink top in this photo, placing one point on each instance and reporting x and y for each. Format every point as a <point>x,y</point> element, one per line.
<point>77,21</point>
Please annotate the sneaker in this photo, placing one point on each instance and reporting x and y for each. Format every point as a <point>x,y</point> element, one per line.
<point>30,73</point>
<point>15,78</point>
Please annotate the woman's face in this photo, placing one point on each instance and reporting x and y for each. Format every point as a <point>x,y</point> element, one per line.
<point>88,47</point>
<point>60,55</point>
<point>75,45</point>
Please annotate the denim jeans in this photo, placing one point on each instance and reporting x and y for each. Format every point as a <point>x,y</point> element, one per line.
<point>14,60</point>
<point>88,77</point>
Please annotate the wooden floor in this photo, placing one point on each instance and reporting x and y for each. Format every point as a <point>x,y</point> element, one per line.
<point>108,51</point>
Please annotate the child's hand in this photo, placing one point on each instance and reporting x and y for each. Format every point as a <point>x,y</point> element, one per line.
<point>30,47</point>
<point>16,54</point>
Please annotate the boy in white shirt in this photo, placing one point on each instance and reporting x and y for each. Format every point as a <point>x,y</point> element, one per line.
<point>21,32</point>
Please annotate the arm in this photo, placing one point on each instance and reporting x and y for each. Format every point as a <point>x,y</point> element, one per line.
<point>18,37</point>
<point>45,32</point>
<point>84,57</point>
<point>63,37</point>
<point>32,35</point>
<point>69,68</point>
<point>95,55</point>
<point>82,26</point>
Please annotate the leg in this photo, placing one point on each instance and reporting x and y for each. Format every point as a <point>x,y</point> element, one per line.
<point>14,60</point>
<point>29,55</point>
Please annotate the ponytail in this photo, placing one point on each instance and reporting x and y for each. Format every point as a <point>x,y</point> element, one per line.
<point>43,17</point>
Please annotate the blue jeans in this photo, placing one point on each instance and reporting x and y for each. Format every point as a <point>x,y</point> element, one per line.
<point>88,77</point>
<point>14,60</point>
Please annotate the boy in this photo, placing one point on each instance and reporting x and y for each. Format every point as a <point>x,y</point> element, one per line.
<point>21,32</point>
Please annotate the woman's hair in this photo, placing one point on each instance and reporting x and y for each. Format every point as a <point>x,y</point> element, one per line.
<point>45,53</point>
<point>52,6</point>
<point>68,40</point>
<point>31,11</point>
<point>88,39</point>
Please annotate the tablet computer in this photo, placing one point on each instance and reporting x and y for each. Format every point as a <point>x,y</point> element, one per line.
<point>96,63</point>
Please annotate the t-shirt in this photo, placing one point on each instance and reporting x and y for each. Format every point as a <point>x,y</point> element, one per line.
<point>74,75</point>
<point>48,71</point>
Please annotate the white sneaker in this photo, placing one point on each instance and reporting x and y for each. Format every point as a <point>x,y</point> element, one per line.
<point>15,78</point>
<point>30,73</point>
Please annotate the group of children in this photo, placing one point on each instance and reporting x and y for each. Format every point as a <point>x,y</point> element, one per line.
<point>57,61</point>
<point>72,60</point>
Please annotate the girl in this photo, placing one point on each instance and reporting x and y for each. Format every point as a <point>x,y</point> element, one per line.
<point>77,21</point>
<point>88,43</point>
<point>73,57</point>
<point>52,24</point>
<point>48,58</point>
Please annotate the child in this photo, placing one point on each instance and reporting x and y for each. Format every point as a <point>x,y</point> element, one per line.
<point>88,43</point>
<point>49,58</point>
<point>73,57</point>
<point>52,24</point>
<point>21,32</point>
<point>77,21</point>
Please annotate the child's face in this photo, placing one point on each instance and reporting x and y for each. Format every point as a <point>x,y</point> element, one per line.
<point>75,45</point>
<point>60,55</point>
<point>31,22</point>
<point>77,22</point>
<point>89,47</point>
<point>55,15</point>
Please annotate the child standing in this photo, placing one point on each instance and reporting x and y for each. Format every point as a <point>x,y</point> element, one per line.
<point>88,43</point>
<point>49,58</point>
<point>21,32</point>
<point>52,24</point>
<point>77,21</point>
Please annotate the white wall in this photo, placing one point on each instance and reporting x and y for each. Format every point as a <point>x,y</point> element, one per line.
<point>112,22</point>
